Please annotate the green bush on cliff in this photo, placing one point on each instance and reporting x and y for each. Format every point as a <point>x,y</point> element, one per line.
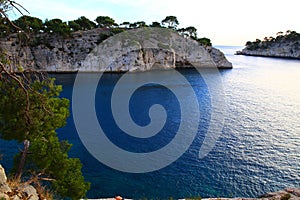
<point>57,26</point>
<point>204,41</point>
<point>5,28</point>
<point>105,22</point>
<point>74,26</point>
<point>170,22</point>
<point>29,24</point>
<point>85,23</point>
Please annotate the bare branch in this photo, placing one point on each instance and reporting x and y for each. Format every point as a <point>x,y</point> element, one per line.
<point>13,3</point>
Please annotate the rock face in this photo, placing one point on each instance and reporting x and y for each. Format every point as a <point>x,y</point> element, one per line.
<point>3,185</point>
<point>281,49</point>
<point>22,192</point>
<point>219,58</point>
<point>132,50</point>
<point>280,52</point>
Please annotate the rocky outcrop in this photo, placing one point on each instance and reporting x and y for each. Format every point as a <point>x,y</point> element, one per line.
<point>132,50</point>
<point>286,194</point>
<point>280,51</point>
<point>146,49</point>
<point>21,192</point>
<point>283,46</point>
<point>219,58</point>
<point>3,182</point>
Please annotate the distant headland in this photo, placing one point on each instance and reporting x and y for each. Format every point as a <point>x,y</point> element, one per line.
<point>284,45</point>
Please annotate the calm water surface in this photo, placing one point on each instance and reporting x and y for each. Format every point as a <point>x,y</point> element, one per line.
<point>257,152</point>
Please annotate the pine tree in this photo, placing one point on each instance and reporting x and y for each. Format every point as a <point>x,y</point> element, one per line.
<point>30,112</point>
<point>32,118</point>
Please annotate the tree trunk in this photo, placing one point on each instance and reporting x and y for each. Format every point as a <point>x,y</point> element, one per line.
<point>23,159</point>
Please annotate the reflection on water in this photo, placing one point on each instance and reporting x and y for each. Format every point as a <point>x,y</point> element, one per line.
<point>257,152</point>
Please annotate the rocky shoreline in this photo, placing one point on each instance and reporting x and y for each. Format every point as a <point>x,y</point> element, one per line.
<point>271,52</point>
<point>132,50</point>
<point>286,194</point>
<point>28,192</point>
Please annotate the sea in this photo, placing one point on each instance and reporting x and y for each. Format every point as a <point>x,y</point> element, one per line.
<point>256,150</point>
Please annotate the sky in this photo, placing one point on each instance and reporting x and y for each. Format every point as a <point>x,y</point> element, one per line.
<point>225,22</point>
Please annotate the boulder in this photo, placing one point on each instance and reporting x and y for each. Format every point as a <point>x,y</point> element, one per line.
<point>3,177</point>
<point>4,188</point>
<point>29,192</point>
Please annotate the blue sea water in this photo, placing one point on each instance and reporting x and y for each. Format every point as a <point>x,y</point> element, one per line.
<point>257,152</point>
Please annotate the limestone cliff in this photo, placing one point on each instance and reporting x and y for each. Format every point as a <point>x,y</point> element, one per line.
<point>283,46</point>
<point>139,49</point>
<point>280,51</point>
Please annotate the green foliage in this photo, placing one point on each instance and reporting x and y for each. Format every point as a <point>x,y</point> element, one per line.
<point>248,43</point>
<point>141,24</point>
<point>74,26</point>
<point>253,45</point>
<point>57,26</point>
<point>292,36</point>
<point>31,112</point>
<point>138,24</point>
<point>125,24</point>
<point>71,182</point>
<point>85,23</point>
<point>4,30</point>
<point>116,30</point>
<point>105,22</point>
<point>29,24</point>
<point>5,27</point>
<point>204,41</point>
<point>34,116</point>
<point>288,37</point>
<point>155,24</point>
<point>133,25</point>
<point>171,22</point>
<point>190,31</point>
<point>45,113</point>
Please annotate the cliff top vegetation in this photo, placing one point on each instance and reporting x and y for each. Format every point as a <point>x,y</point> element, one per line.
<point>34,25</point>
<point>281,38</point>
